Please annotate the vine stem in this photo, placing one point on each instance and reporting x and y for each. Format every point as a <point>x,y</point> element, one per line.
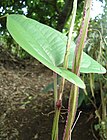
<point>55,88</point>
<point>74,93</point>
<point>65,65</point>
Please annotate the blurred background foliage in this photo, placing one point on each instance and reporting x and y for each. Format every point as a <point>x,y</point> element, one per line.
<point>56,13</point>
<point>96,91</point>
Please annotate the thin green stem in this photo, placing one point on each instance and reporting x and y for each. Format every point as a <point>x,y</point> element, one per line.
<point>92,84</point>
<point>103,104</point>
<point>55,88</point>
<point>104,113</point>
<point>93,103</point>
<point>55,125</point>
<point>71,112</point>
<point>65,65</point>
<point>73,100</point>
<point>70,34</point>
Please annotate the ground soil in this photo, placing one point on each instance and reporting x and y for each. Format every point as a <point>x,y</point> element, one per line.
<point>26,112</point>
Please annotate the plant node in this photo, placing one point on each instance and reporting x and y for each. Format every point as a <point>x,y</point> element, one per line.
<point>59,104</point>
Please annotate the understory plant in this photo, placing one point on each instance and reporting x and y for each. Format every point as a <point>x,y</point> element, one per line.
<point>60,54</point>
<point>98,83</point>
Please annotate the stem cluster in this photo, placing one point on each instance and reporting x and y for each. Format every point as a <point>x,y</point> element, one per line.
<point>74,93</point>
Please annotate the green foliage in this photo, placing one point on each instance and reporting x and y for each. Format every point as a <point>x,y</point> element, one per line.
<point>48,46</point>
<point>47,12</point>
<point>102,127</point>
<point>47,42</point>
<point>42,42</point>
<point>96,46</point>
<point>81,98</point>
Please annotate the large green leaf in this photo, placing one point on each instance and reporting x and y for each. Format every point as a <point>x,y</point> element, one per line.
<point>48,46</point>
<point>50,43</point>
<point>43,43</point>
